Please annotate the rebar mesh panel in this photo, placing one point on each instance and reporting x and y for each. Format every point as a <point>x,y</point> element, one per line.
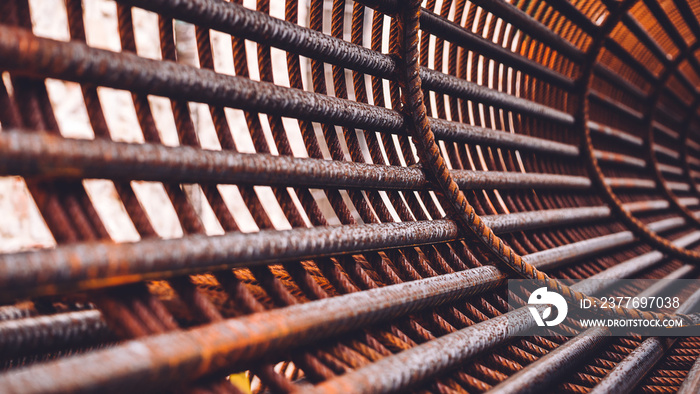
<point>240,204</point>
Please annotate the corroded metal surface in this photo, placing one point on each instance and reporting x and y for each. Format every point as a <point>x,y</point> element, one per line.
<point>366,177</point>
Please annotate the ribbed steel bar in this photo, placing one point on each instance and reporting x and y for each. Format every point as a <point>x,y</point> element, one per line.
<point>90,265</point>
<point>613,132</point>
<point>632,266</point>
<point>631,183</point>
<point>44,333</point>
<point>555,257</point>
<point>48,156</point>
<point>647,205</point>
<point>633,140</point>
<point>636,183</point>
<point>620,159</point>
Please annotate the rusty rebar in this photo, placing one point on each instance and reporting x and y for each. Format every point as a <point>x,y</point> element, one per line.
<point>98,264</point>
<point>46,156</point>
<point>569,129</point>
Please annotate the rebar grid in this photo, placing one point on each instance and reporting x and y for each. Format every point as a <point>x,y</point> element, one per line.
<point>569,130</point>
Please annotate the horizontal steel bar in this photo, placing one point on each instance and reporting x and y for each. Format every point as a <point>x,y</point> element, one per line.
<point>695,162</point>
<point>619,134</point>
<point>689,201</point>
<point>634,140</point>
<point>534,28</point>
<point>638,117</point>
<point>657,287</point>
<point>662,150</point>
<point>239,21</point>
<point>451,85</point>
<point>626,269</point>
<point>646,205</point>
<point>620,159</point>
<point>162,361</point>
<point>692,144</point>
<point>648,184</point>
<point>516,180</point>
<point>562,6</point>
<point>49,156</point>
<point>674,135</point>
<point>678,186</point>
<point>669,169</point>
<point>549,217</point>
<point>630,183</point>
<point>609,102</point>
<point>43,333</point>
<point>666,224</point>
<point>97,264</point>
<point>77,62</point>
<point>452,32</point>
<point>556,257</point>
<point>460,132</point>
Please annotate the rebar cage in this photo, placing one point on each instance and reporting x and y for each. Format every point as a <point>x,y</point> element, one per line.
<point>317,242</point>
